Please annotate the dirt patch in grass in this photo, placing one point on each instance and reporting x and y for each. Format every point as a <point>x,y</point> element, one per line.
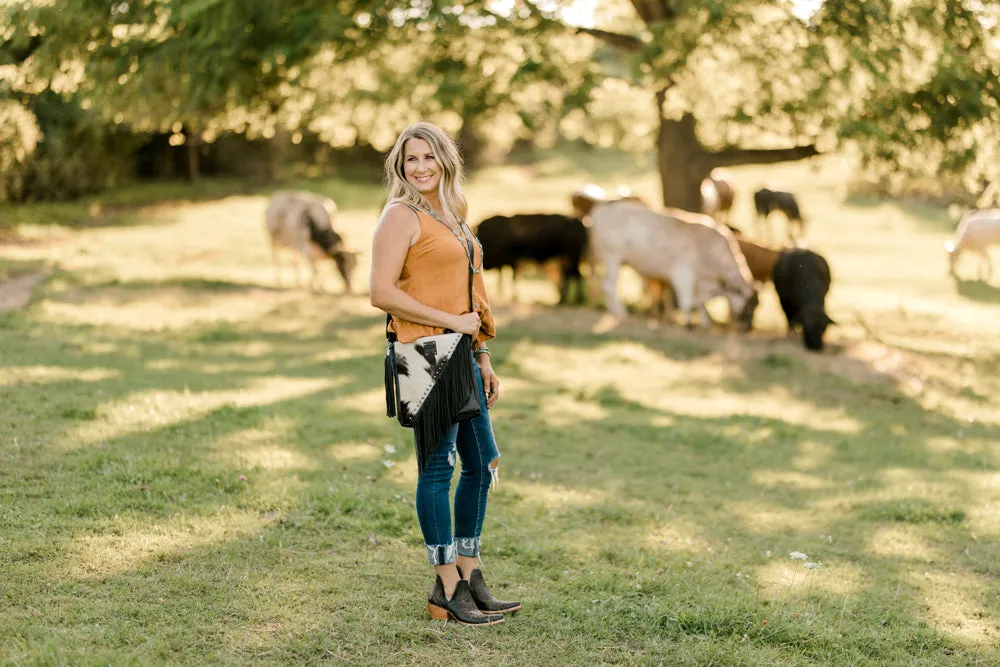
<point>16,292</point>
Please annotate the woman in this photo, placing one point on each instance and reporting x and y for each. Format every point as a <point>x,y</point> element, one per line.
<point>421,259</point>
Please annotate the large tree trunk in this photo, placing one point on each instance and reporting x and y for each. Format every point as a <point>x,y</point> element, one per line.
<point>681,160</point>
<point>684,162</point>
<point>470,142</point>
<point>193,164</point>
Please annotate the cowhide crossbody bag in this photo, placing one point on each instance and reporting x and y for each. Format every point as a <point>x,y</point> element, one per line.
<point>430,384</point>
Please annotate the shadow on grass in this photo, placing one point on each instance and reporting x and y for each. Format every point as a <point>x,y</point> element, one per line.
<point>977,290</point>
<point>318,556</point>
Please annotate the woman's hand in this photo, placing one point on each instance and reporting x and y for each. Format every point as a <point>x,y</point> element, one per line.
<point>491,383</point>
<point>469,323</point>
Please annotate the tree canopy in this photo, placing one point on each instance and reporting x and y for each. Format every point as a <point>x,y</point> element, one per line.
<point>912,84</point>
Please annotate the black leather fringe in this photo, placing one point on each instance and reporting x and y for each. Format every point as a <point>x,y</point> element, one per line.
<point>390,382</point>
<point>445,401</point>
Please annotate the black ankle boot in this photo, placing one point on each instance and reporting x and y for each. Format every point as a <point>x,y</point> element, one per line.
<point>484,599</point>
<point>461,607</point>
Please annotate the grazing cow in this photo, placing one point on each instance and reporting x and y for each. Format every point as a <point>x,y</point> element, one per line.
<point>700,261</point>
<point>802,279</point>
<point>585,198</point>
<point>717,195</point>
<point>766,201</point>
<point>976,231</point>
<point>536,237</point>
<point>760,258</point>
<point>303,222</point>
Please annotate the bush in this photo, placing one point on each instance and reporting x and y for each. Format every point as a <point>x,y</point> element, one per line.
<point>75,152</point>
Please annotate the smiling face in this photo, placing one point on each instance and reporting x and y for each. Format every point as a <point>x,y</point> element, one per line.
<point>421,168</point>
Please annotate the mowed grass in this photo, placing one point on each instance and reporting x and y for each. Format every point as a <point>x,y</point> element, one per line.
<point>195,466</point>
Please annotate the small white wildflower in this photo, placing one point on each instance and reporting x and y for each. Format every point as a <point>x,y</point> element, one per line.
<point>798,555</point>
<point>813,566</point>
<point>388,464</point>
<point>389,449</point>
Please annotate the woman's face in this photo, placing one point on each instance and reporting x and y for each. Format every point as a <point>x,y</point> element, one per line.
<point>420,166</point>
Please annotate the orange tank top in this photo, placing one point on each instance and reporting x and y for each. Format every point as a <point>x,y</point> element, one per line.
<point>436,273</point>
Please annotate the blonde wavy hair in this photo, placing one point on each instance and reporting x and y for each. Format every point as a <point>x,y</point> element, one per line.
<point>448,158</point>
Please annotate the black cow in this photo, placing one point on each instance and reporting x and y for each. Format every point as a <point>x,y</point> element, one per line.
<point>802,279</point>
<point>536,237</point>
<point>767,201</point>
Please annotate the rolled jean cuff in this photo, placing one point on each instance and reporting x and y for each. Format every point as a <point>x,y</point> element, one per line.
<point>467,546</point>
<point>440,554</point>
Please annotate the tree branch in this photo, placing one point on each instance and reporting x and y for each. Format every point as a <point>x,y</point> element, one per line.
<point>733,156</point>
<point>651,11</point>
<point>626,42</point>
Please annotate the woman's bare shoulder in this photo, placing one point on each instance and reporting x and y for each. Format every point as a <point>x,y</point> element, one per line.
<point>398,219</point>
<point>398,213</point>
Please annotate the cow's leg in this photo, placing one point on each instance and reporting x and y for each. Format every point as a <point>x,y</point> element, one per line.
<point>763,228</point>
<point>594,281</point>
<point>985,263</point>
<point>306,253</point>
<point>610,282</point>
<point>277,263</point>
<point>298,268</point>
<point>706,319</point>
<point>683,282</point>
<point>654,289</point>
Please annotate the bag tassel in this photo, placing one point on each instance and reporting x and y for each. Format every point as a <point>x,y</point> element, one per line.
<point>445,400</point>
<point>390,383</point>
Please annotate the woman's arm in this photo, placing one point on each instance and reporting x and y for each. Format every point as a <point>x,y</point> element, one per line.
<point>396,231</point>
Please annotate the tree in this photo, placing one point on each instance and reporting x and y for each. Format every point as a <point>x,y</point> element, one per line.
<point>754,70</point>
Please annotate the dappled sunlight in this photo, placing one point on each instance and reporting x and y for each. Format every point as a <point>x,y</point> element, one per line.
<point>690,387</point>
<point>782,577</point>
<point>774,479</point>
<point>902,542</point>
<point>157,308</point>
<point>677,535</point>
<point>254,449</point>
<point>354,451</point>
<point>951,601</point>
<point>370,402</point>
<point>983,508</point>
<point>14,375</point>
<point>146,410</point>
<point>563,410</point>
<point>909,482</point>
<point>130,546</point>
<point>653,479</point>
<point>763,517</point>
<point>549,496</point>
<point>812,455</point>
<point>747,434</point>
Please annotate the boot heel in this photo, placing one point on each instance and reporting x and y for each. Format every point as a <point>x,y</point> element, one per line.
<point>437,613</point>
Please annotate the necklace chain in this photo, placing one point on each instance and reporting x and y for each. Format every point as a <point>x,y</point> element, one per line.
<point>460,236</point>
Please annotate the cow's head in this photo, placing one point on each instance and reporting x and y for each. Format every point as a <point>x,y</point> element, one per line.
<point>814,324</point>
<point>742,306</point>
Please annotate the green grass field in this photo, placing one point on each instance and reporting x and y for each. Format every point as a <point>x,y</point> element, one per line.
<point>195,466</point>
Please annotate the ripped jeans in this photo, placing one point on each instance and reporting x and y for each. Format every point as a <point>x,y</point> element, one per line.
<point>473,442</point>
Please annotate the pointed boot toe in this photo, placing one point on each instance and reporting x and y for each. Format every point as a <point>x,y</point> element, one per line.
<point>460,608</point>
<point>484,598</point>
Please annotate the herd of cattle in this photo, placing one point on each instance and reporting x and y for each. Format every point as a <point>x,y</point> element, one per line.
<point>685,258</point>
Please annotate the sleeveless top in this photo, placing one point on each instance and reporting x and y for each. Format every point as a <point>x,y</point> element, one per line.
<point>436,273</point>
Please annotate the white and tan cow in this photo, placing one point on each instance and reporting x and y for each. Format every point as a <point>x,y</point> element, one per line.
<point>699,258</point>
<point>976,232</point>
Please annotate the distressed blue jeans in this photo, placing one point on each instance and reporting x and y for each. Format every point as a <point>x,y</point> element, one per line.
<point>472,440</point>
